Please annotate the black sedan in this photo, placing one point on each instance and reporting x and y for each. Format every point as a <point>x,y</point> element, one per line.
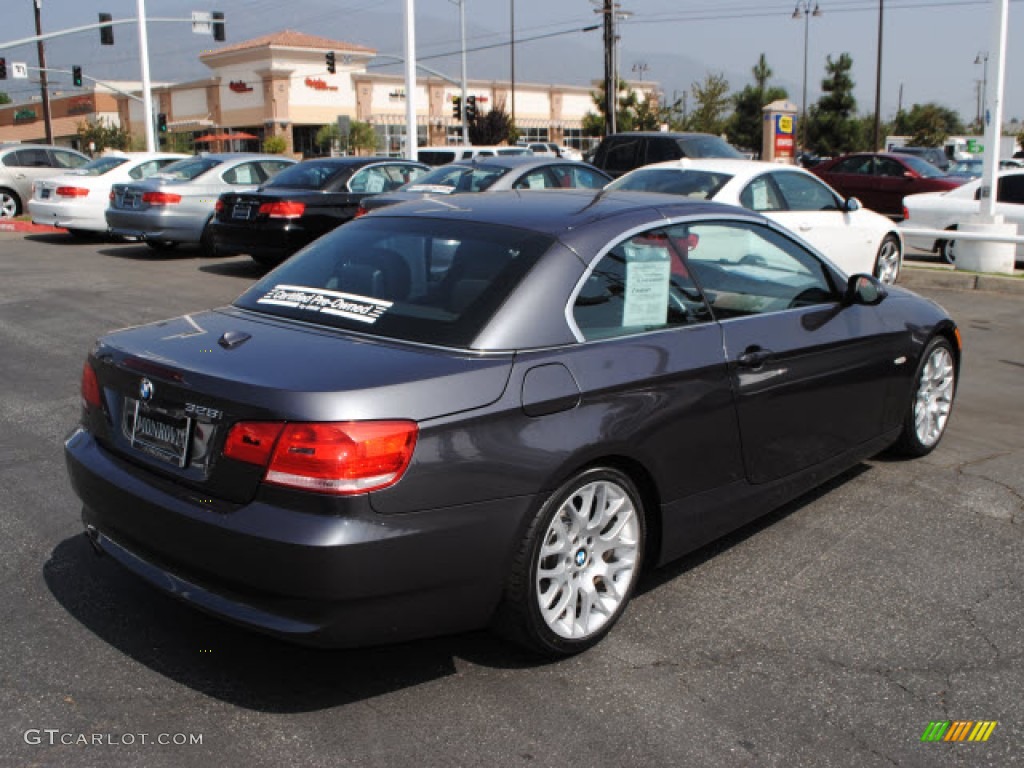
<point>299,205</point>
<point>494,174</point>
<point>440,417</point>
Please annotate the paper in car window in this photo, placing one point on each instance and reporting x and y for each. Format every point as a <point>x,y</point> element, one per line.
<point>374,184</point>
<point>433,188</point>
<point>760,191</point>
<point>648,271</point>
<point>536,181</point>
<point>347,305</point>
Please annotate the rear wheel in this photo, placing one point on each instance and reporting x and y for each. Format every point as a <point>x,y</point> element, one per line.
<point>889,260</point>
<point>206,242</point>
<point>10,205</point>
<point>928,411</point>
<point>947,248</point>
<point>577,565</point>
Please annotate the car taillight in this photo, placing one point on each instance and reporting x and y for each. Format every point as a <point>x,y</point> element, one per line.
<point>218,206</point>
<point>111,196</point>
<point>72,192</point>
<point>360,211</point>
<point>344,457</point>
<point>285,209</point>
<point>906,213</point>
<point>90,388</point>
<point>161,198</point>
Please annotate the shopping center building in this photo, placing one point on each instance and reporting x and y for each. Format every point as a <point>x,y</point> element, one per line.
<point>278,85</point>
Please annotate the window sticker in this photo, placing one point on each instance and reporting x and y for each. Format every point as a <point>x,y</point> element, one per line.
<point>648,271</point>
<point>347,305</point>
<point>760,190</point>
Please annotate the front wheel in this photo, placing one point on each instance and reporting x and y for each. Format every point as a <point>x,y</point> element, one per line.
<point>947,248</point>
<point>928,411</point>
<point>889,260</point>
<point>10,205</point>
<point>577,565</point>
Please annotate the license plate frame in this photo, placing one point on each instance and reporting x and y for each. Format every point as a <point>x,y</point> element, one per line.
<point>158,434</point>
<point>44,193</point>
<point>241,211</point>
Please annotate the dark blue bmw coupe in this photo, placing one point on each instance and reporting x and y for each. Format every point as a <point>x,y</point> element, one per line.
<point>494,410</point>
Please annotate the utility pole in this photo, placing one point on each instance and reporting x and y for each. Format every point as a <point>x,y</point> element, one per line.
<point>47,119</point>
<point>610,86</point>
<point>462,24</point>
<point>512,53</point>
<point>878,81</point>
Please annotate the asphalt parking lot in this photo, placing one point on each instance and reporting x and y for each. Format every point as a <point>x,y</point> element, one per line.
<point>830,633</point>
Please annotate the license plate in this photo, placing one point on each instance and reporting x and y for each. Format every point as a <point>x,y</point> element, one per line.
<point>241,211</point>
<point>158,434</point>
<point>44,193</point>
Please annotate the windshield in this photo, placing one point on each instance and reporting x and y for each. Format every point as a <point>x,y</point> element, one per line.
<point>415,279</point>
<point>923,167</point>
<point>702,185</point>
<point>967,166</point>
<point>458,178</point>
<point>100,166</point>
<point>189,168</point>
<point>312,174</point>
<point>708,146</point>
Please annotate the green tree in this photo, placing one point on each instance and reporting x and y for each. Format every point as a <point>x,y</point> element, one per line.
<point>101,135</point>
<point>632,113</point>
<point>4,98</point>
<point>492,127</point>
<point>328,137</point>
<point>275,145</point>
<point>928,125</point>
<point>711,104</point>
<point>832,126</point>
<point>746,126</point>
<point>362,137</point>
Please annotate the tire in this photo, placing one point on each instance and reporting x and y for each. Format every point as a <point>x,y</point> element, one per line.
<point>577,566</point>
<point>889,260</point>
<point>947,249</point>
<point>931,401</point>
<point>10,204</point>
<point>206,242</point>
<point>161,245</point>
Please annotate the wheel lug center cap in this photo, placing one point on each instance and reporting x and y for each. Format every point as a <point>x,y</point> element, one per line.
<point>580,557</point>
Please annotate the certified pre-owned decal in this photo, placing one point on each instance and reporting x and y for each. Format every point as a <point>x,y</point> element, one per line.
<point>349,305</point>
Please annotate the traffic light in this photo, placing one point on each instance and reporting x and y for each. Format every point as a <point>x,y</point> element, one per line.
<point>3,69</point>
<point>457,107</point>
<point>470,108</point>
<point>331,65</point>
<point>76,76</point>
<point>106,33</point>
<point>217,17</point>
<point>161,123</point>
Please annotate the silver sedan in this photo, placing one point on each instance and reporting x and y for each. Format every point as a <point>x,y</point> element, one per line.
<point>176,205</point>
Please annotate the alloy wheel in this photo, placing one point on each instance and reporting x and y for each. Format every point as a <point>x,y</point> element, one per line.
<point>934,396</point>
<point>588,560</point>
<point>8,205</point>
<point>887,267</point>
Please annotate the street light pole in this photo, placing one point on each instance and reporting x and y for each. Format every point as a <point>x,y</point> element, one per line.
<point>878,79</point>
<point>982,58</point>
<point>803,10</point>
<point>147,92</point>
<point>462,24</point>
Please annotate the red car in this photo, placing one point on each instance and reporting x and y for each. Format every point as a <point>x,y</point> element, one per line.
<point>880,180</point>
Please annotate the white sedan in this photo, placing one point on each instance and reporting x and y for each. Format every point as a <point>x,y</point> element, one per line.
<point>945,210</point>
<point>855,239</point>
<point>77,200</point>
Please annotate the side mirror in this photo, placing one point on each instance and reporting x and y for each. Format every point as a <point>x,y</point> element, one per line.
<point>852,204</point>
<point>864,289</point>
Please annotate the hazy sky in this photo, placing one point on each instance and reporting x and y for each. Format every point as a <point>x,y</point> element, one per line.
<point>929,45</point>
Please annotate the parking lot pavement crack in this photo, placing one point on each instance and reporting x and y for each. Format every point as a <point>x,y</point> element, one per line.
<point>972,621</point>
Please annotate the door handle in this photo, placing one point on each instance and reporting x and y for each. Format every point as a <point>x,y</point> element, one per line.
<point>754,357</point>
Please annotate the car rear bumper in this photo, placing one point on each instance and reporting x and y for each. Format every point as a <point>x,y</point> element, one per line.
<point>58,214</point>
<point>321,579</point>
<point>155,224</point>
<point>278,242</point>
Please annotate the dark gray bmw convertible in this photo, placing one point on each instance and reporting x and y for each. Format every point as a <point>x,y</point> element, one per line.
<point>494,411</point>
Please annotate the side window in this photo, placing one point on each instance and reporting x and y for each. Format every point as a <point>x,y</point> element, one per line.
<point>67,159</point>
<point>32,158</point>
<point>804,193</point>
<point>748,269</point>
<point>145,170</point>
<point>245,174</point>
<point>640,285</point>
<point>856,164</point>
<point>400,175</point>
<point>271,168</point>
<point>761,195</point>
<point>660,150</point>
<point>369,181</point>
<point>886,167</point>
<point>622,156</point>
<point>585,178</point>
<point>1011,189</point>
<point>537,179</point>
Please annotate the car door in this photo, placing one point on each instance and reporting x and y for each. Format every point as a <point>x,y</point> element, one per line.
<point>27,166</point>
<point>810,375</point>
<point>852,176</point>
<point>1010,203</point>
<point>814,212</point>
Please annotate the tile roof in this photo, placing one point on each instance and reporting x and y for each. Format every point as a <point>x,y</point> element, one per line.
<point>289,38</point>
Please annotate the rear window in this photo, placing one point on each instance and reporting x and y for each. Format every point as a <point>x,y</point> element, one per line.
<point>458,178</point>
<point>314,174</point>
<point>701,185</point>
<point>423,280</point>
<point>100,166</point>
<point>923,167</point>
<point>189,168</point>
<point>708,146</point>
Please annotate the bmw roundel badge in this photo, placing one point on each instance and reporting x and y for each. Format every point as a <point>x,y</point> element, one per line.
<point>146,390</point>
